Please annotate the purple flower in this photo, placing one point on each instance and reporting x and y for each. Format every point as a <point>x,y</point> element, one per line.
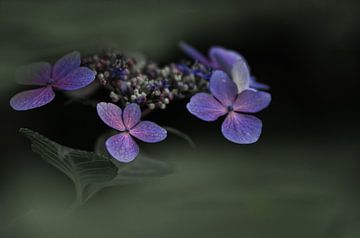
<point>238,127</point>
<point>223,59</point>
<point>197,72</point>
<point>122,146</point>
<point>65,75</point>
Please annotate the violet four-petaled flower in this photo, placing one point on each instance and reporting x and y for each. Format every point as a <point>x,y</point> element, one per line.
<point>122,146</point>
<point>238,126</point>
<point>66,74</point>
<point>223,59</point>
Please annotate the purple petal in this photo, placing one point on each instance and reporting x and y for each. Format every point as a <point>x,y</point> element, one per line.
<point>223,88</point>
<point>241,128</point>
<point>65,65</point>
<point>252,101</point>
<point>34,74</point>
<point>149,132</point>
<point>131,115</point>
<point>241,75</point>
<point>205,107</point>
<point>224,59</point>
<point>122,147</point>
<point>76,79</point>
<point>111,115</point>
<point>194,54</point>
<point>32,98</point>
<point>258,85</point>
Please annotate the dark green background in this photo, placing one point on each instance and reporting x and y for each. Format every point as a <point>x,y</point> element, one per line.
<point>300,180</point>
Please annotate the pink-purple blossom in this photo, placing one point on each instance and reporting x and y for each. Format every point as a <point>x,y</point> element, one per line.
<point>122,146</point>
<point>66,75</point>
<point>223,59</point>
<point>227,99</point>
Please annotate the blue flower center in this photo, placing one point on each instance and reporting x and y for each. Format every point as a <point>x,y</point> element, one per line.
<point>230,108</point>
<point>51,81</point>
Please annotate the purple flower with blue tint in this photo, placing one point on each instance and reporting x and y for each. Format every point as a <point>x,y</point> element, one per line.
<point>223,59</point>
<point>225,99</point>
<point>185,69</point>
<point>65,75</point>
<point>122,146</point>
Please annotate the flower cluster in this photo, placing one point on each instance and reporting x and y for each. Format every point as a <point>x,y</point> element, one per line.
<point>218,85</point>
<point>146,84</point>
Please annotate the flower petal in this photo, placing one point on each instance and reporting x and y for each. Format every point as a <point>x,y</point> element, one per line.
<point>205,107</point>
<point>224,59</point>
<point>65,65</point>
<point>194,54</point>
<point>241,75</point>
<point>32,98</point>
<point>241,128</point>
<point>257,85</point>
<point>149,132</point>
<point>223,88</point>
<point>34,74</point>
<point>122,147</point>
<point>252,101</point>
<point>131,115</point>
<point>111,115</point>
<point>76,79</point>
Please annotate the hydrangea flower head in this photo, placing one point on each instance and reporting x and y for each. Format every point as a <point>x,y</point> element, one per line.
<point>66,74</point>
<point>122,146</point>
<point>238,126</point>
<point>223,59</point>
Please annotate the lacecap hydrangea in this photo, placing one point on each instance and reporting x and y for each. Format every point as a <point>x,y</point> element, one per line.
<point>214,86</point>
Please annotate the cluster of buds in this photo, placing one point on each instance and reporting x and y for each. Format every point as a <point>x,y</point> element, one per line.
<point>147,84</point>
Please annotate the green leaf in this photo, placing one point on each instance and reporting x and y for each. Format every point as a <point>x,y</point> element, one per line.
<point>82,167</point>
<point>92,172</point>
<point>141,169</point>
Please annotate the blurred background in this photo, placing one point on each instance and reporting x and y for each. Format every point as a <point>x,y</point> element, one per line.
<point>300,180</point>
